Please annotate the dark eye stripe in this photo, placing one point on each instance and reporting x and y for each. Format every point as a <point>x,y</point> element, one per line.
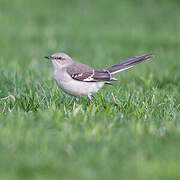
<point>57,58</point>
<point>60,58</point>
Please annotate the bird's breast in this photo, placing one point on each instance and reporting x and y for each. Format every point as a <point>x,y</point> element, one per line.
<point>74,87</point>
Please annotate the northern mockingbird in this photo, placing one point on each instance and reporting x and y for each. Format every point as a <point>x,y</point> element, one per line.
<point>79,79</point>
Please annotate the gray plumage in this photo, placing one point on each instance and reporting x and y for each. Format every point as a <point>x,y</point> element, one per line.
<point>85,73</point>
<point>81,80</point>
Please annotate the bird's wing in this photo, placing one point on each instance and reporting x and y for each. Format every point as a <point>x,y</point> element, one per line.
<point>84,73</point>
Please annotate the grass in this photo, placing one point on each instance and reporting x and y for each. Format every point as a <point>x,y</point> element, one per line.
<point>135,136</point>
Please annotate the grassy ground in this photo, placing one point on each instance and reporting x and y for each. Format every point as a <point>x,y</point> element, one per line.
<point>135,136</point>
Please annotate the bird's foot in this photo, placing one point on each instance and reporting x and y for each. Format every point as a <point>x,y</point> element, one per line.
<point>90,99</point>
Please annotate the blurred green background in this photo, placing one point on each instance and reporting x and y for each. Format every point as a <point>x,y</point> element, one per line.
<point>134,137</point>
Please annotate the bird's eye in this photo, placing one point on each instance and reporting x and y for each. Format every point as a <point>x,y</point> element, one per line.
<point>61,58</point>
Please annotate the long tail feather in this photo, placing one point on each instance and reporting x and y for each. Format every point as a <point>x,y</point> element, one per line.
<point>129,63</point>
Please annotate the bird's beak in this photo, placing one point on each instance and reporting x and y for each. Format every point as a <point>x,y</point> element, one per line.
<point>47,57</point>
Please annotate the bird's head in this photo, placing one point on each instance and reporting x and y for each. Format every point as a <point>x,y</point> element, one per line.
<point>59,60</point>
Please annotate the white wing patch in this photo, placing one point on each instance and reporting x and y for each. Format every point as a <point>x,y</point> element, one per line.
<point>90,78</point>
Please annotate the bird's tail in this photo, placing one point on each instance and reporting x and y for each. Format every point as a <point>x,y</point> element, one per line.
<point>129,63</point>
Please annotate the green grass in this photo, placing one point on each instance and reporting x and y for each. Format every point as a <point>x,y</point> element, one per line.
<point>135,136</point>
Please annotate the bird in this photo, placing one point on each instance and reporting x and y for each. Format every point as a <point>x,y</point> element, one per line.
<point>78,79</point>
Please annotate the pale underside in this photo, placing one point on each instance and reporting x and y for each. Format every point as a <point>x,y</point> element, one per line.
<point>80,80</point>
<point>75,87</point>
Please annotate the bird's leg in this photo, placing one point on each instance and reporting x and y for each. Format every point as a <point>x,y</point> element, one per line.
<point>75,101</point>
<point>90,99</point>
<point>114,99</point>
